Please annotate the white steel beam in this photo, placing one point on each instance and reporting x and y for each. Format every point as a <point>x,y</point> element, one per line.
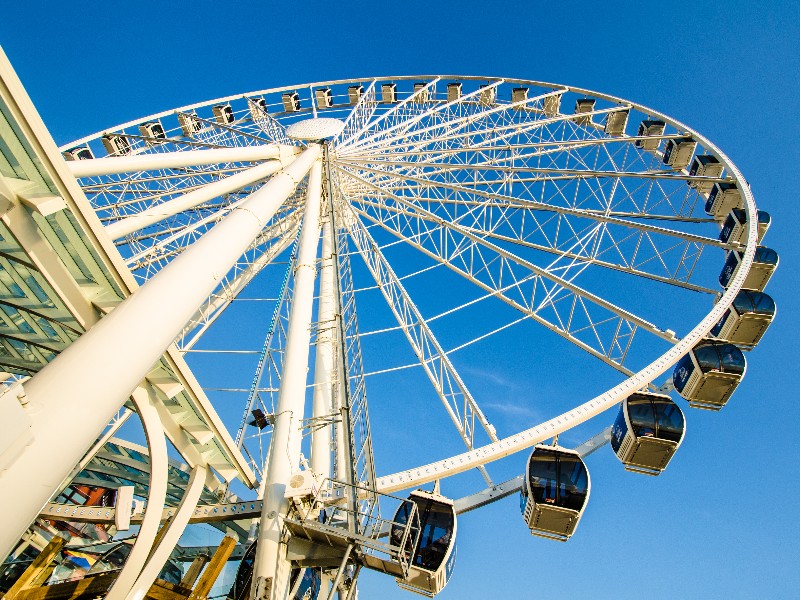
<point>174,160</point>
<point>175,529</point>
<point>327,327</point>
<point>194,198</point>
<point>271,570</point>
<point>85,384</point>
<point>145,402</point>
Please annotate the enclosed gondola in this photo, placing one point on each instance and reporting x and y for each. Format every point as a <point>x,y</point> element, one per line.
<point>765,261</point>
<point>555,492</point>
<point>722,199</point>
<point>648,430</point>
<point>745,322</point>
<point>709,374</point>
<point>304,584</point>
<point>734,229</point>
<point>433,558</point>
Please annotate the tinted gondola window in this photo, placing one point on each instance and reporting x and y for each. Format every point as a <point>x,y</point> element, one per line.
<point>732,359</point>
<point>669,419</point>
<point>558,479</point>
<point>436,520</point>
<point>707,357</point>
<point>642,417</point>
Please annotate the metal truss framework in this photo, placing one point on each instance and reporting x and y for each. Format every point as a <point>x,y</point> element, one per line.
<point>555,213</point>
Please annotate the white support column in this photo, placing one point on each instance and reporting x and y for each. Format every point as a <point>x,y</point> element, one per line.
<point>159,555</point>
<point>194,198</point>
<point>82,387</point>
<point>324,364</point>
<point>271,570</point>
<point>156,495</point>
<point>174,160</point>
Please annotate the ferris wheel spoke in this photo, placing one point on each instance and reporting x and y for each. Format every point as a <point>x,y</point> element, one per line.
<point>472,197</point>
<point>448,384</point>
<point>548,173</point>
<point>397,116</point>
<point>229,290</point>
<point>593,324</point>
<point>420,116</point>
<point>633,253</point>
<point>486,133</point>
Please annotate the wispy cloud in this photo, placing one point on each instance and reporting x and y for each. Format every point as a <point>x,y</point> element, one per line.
<point>510,409</point>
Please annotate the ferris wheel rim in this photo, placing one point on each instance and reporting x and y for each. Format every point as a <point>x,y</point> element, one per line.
<point>527,438</point>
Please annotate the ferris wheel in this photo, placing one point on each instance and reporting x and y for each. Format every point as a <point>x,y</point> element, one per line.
<point>441,216</point>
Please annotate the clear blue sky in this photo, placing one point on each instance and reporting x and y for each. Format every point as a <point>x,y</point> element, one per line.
<point>719,522</point>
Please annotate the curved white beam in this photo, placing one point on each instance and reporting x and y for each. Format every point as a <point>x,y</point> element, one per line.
<point>110,165</point>
<point>175,529</point>
<point>92,378</point>
<point>156,495</point>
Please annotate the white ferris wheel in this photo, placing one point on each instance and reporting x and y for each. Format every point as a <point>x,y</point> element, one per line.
<point>383,228</point>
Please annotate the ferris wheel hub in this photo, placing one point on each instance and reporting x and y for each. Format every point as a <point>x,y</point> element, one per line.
<point>315,129</point>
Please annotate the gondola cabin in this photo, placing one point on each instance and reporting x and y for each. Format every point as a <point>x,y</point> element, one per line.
<point>303,583</point>
<point>291,101</point>
<point>648,430</point>
<point>519,94</point>
<point>745,322</point>
<point>555,492</point>
<point>454,91</point>
<point>678,152</point>
<point>552,105</point>
<point>389,93</point>
<point>223,114</point>
<point>423,93</point>
<point>324,97</point>
<point>434,556</point>
<point>648,128</point>
<point>765,261</point>
<point>709,374</point>
<point>354,93</point>
<point>616,122</point>
<point>705,165</point>
<point>190,124</point>
<point>79,153</point>
<point>582,107</point>
<point>116,144</point>
<point>257,106</point>
<point>488,95</point>
<point>722,199</point>
<point>152,131</point>
<point>734,229</point>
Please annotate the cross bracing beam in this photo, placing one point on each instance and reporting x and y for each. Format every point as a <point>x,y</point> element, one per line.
<point>644,243</point>
<point>487,265</point>
<point>633,264</point>
<point>459,403</point>
<point>492,135</point>
<point>359,117</point>
<point>194,198</point>
<point>173,160</point>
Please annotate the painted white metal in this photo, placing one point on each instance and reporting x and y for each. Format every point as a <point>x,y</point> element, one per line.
<point>100,369</point>
<point>324,364</point>
<point>271,570</point>
<point>145,402</point>
<point>194,198</point>
<point>180,519</point>
<point>595,406</point>
<point>173,160</point>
